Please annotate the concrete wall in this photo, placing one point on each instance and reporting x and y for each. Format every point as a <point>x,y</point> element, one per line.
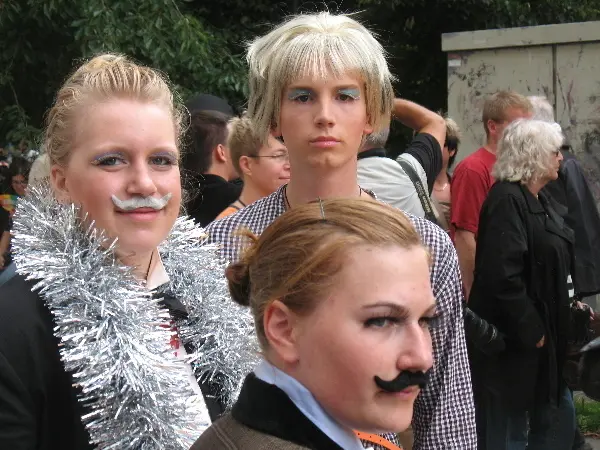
<point>561,62</point>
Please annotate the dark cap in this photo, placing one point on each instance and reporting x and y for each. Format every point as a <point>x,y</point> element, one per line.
<point>207,102</point>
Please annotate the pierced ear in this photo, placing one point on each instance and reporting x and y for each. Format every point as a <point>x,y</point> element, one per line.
<point>58,180</point>
<point>279,324</point>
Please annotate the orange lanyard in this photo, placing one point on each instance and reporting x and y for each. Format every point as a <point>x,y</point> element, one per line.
<point>376,439</point>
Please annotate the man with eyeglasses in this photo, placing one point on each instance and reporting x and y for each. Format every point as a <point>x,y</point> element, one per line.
<point>264,168</point>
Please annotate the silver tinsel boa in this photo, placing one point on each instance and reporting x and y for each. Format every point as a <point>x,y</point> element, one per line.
<point>115,338</point>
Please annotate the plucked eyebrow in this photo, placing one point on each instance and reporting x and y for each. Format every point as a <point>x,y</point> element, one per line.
<point>123,151</point>
<point>351,89</point>
<point>399,310</point>
<point>169,153</point>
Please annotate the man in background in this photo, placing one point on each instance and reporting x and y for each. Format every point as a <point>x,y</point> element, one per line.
<point>264,167</point>
<point>206,160</point>
<point>386,177</point>
<point>472,178</point>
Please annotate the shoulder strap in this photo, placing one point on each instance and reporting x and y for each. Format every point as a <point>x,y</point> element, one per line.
<point>421,191</point>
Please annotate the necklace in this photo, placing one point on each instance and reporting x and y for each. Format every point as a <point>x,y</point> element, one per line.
<point>287,201</point>
<point>149,266</point>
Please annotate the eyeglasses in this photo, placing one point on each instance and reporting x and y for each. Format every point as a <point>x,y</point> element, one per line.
<point>22,183</point>
<point>281,157</point>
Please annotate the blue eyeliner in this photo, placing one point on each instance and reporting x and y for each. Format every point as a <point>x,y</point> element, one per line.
<point>104,156</point>
<point>295,93</point>
<point>351,92</point>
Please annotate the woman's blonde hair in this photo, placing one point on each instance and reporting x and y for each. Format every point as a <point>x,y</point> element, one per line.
<point>298,257</point>
<point>526,150</point>
<point>312,45</point>
<point>102,78</point>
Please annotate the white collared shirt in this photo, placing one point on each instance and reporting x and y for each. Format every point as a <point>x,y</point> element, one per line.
<point>308,405</point>
<point>157,277</point>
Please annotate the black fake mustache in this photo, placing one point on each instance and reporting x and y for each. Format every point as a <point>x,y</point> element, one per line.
<point>404,380</point>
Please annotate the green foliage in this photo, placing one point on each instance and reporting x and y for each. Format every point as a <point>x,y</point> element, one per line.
<point>588,414</point>
<point>43,41</point>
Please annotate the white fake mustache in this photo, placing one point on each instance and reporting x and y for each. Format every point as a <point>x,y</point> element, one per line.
<point>141,202</point>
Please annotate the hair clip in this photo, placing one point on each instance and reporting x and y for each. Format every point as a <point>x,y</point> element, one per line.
<point>322,209</point>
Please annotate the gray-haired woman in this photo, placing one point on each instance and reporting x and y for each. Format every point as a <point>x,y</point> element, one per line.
<point>523,261</point>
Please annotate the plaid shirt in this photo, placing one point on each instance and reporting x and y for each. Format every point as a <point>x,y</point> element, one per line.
<point>444,415</point>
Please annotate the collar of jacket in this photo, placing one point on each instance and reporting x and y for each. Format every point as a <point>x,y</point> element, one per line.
<point>266,408</point>
<point>533,204</point>
<point>554,223</point>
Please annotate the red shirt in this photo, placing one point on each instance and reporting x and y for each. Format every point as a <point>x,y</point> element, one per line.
<point>471,182</point>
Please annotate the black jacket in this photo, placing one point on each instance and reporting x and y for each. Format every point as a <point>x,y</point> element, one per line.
<point>581,215</point>
<point>213,196</point>
<point>264,417</point>
<point>523,259</point>
<point>38,405</point>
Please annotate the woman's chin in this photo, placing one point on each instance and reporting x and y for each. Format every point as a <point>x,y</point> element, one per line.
<point>390,423</point>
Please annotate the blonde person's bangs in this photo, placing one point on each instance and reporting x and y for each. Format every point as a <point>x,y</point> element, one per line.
<point>317,46</point>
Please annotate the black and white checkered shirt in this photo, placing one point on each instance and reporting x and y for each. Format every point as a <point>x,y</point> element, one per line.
<point>444,416</point>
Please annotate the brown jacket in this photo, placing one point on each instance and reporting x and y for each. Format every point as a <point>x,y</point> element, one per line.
<point>264,418</point>
<point>228,434</point>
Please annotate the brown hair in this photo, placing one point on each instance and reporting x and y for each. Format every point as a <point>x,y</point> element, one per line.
<point>496,106</point>
<point>106,76</point>
<point>207,129</point>
<point>243,140</point>
<point>298,257</point>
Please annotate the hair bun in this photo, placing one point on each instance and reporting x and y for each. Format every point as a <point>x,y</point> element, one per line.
<point>238,276</point>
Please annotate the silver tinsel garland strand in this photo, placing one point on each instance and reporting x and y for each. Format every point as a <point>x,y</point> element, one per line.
<point>115,337</point>
<point>221,331</point>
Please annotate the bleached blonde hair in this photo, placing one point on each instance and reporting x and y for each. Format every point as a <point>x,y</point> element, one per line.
<point>526,150</point>
<point>313,45</point>
<point>453,130</point>
<point>542,109</point>
<point>104,77</point>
